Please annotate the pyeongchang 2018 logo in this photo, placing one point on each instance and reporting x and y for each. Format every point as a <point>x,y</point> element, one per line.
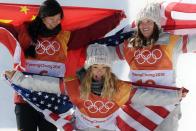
<point>47,47</point>
<point>147,56</point>
<point>98,106</point>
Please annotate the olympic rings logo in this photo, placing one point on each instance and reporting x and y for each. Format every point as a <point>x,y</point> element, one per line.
<point>151,57</point>
<point>48,47</point>
<point>98,106</point>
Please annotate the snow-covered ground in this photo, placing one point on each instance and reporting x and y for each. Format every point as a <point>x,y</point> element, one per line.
<point>186,69</point>
<point>7,119</point>
<point>186,72</point>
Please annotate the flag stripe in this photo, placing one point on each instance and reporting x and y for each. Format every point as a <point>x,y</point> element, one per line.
<point>163,112</point>
<point>148,113</point>
<point>181,7</point>
<point>122,125</point>
<point>139,117</point>
<point>183,16</point>
<point>179,24</point>
<point>185,42</point>
<point>54,116</point>
<point>170,107</point>
<point>179,17</point>
<point>62,86</point>
<point>119,53</point>
<point>126,117</point>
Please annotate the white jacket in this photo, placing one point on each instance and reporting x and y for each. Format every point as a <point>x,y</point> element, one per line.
<point>37,82</point>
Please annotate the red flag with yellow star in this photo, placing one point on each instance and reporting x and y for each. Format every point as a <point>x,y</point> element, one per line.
<point>85,24</point>
<point>75,17</point>
<point>16,14</point>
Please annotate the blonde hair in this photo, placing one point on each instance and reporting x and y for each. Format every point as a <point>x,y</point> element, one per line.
<point>109,86</point>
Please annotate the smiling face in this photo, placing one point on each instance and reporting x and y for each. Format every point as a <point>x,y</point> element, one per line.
<point>98,71</point>
<point>52,21</point>
<point>146,27</point>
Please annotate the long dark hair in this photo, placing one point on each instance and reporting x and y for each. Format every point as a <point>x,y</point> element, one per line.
<point>37,27</point>
<point>139,41</point>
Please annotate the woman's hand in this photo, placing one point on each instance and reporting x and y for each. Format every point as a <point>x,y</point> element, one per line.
<point>9,73</point>
<point>183,94</point>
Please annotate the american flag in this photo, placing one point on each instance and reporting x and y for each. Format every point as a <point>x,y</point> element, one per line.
<point>116,39</point>
<point>133,117</point>
<point>179,16</point>
<point>139,117</point>
<point>57,109</point>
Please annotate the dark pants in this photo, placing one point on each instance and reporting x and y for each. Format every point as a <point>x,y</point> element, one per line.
<point>28,119</point>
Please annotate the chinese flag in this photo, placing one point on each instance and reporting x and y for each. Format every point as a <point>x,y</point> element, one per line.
<point>79,20</point>
<point>85,24</point>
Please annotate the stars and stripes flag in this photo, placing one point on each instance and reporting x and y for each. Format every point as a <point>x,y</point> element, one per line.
<point>133,117</point>
<point>116,39</point>
<point>179,16</point>
<point>139,117</point>
<point>56,108</point>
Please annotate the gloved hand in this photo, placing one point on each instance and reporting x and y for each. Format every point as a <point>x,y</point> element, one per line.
<point>9,73</point>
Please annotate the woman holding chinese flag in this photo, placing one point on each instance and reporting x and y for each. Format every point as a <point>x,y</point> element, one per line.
<point>44,45</point>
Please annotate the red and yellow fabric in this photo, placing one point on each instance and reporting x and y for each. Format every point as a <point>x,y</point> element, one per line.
<point>154,64</point>
<point>164,51</point>
<point>119,99</point>
<point>97,112</point>
<point>61,40</point>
